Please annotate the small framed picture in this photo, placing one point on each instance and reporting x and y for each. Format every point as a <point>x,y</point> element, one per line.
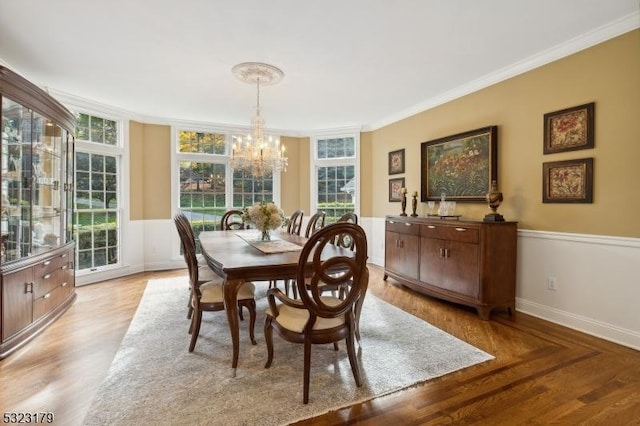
<point>396,162</point>
<point>395,189</point>
<point>569,181</point>
<point>569,129</point>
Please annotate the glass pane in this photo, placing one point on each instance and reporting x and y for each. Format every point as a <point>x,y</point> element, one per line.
<point>202,142</point>
<point>336,191</point>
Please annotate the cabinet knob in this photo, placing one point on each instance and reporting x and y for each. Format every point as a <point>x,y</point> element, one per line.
<point>46,277</point>
<point>431,226</point>
<point>63,255</point>
<point>408,224</point>
<point>46,296</point>
<point>46,263</point>
<point>392,222</point>
<point>63,267</point>
<point>459,229</point>
<point>64,284</point>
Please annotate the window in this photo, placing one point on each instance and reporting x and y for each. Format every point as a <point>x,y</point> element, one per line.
<point>97,191</point>
<point>335,183</point>
<point>208,186</point>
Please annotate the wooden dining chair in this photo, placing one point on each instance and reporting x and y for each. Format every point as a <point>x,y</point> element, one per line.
<point>316,221</point>
<point>232,219</point>
<point>315,318</point>
<point>295,223</point>
<point>185,232</point>
<point>208,296</point>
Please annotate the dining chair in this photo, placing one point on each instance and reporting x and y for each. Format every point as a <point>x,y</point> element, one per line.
<point>293,228</point>
<point>295,223</point>
<point>343,240</point>
<point>315,318</point>
<point>185,232</point>
<point>208,296</point>
<point>232,219</point>
<point>316,221</point>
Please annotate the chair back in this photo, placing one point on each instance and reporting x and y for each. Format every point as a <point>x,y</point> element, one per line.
<point>232,219</point>
<point>315,222</point>
<point>295,223</point>
<point>322,262</point>
<point>344,240</point>
<point>188,242</point>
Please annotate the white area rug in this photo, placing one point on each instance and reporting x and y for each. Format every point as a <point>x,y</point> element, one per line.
<point>155,380</point>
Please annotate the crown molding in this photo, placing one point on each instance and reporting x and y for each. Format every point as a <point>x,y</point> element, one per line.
<point>598,35</point>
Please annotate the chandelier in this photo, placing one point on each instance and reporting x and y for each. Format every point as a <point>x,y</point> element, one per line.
<point>258,153</point>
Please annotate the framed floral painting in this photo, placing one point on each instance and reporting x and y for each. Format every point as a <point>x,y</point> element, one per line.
<point>569,129</point>
<point>569,181</point>
<point>395,189</point>
<point>396,162</point>
<point>460,166</point>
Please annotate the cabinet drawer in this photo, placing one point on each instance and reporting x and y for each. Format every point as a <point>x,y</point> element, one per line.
<point>403,227</point>
<point>47,282</point>
<point>43,268</point>
<point>460,232</point>
<point>49,300</point>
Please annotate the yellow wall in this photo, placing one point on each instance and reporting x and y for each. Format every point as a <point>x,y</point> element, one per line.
<point>607,74</point>
<point>150,169</point>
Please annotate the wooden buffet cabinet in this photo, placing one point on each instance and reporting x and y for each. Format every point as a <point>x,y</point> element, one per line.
<point>37,273</point>
<point>468,262</point>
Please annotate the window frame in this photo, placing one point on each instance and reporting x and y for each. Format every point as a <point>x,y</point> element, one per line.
<point>122,175</point>
<point>316,162</point>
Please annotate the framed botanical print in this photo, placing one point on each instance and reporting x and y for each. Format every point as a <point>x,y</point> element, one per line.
<point>569,129</point>
<point>569,181</point>
<point>395,189</point>
<point>396,162</point>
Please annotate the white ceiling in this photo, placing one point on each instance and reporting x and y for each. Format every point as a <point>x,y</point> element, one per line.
<point>363,63</point>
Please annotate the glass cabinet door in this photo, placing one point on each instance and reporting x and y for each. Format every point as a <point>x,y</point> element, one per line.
<point>46,169</point>
<point>15,186</point>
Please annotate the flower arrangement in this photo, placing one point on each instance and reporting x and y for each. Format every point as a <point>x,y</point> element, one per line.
<point>265,217</point>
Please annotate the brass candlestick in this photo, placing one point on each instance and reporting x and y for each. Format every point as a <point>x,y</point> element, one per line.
<point>404,202</point>
<point>414,204</point>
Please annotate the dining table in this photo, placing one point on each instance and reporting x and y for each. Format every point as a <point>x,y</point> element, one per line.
<point>241,255</point>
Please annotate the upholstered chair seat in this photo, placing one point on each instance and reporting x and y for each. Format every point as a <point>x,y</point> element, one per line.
<point>294,319</point>
<point>212,292</point>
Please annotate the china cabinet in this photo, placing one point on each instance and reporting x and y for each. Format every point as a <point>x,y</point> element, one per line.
<point>468,262</point>
<point>36,184</point>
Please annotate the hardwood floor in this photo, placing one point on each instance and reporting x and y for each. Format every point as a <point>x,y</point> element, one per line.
<point>542,373</point>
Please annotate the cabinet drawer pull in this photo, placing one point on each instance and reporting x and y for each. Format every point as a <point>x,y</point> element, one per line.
<point>28,288</point>
<point>46,277</point>
<point>431,226</point>
<point>64,284</point>
<point>63,255</point>
<point>46,296</point>
<point>392,222</point>
<point>460,229</point>
<point>408,224</point>
<point>63,267</point>
<point>46,263</point>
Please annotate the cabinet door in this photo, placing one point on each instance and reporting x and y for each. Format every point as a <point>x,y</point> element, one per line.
<point>401,254</point>
<point>461,268</point>
<point>17,302</point>
<point>432,261</point>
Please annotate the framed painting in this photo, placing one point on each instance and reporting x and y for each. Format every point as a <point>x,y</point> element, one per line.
<point>395,189</point>
<point>396,162</point>
<point>569,181</point>
<point>569,129</point>
<point>460,166</point>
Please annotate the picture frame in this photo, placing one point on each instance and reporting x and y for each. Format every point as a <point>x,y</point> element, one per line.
<point>396,162</point>
<point>568,181</point>
<point>395,190</point>
<point>461,166</point>
<point>569,129</point>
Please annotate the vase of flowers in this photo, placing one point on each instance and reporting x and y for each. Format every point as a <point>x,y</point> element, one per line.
<point>265,217</point>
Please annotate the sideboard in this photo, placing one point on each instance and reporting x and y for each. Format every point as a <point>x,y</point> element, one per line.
<point>467,262</point>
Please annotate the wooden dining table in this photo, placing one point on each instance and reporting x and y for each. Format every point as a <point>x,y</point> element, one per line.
<point>238,256</point>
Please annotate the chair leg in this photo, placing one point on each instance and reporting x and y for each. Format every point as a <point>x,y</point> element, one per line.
<point>307,371</point>
<point>196,320</point>
<point>190,306</point>
<point>251,305</point>
<point>268,337</point>
<point>351,351</point>
<point>240,313</point>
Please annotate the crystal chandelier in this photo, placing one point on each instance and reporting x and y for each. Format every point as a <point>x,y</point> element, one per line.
<point>258,153</point>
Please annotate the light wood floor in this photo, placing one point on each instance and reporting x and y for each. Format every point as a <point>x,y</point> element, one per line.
<point>543,373</point>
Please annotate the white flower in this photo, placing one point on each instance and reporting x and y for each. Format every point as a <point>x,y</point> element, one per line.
<point>264,216</point>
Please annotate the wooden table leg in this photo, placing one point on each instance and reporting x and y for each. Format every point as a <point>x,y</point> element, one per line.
<point>230,289</point>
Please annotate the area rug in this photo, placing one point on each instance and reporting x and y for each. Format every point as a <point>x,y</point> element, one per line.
<point>155,380</point>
